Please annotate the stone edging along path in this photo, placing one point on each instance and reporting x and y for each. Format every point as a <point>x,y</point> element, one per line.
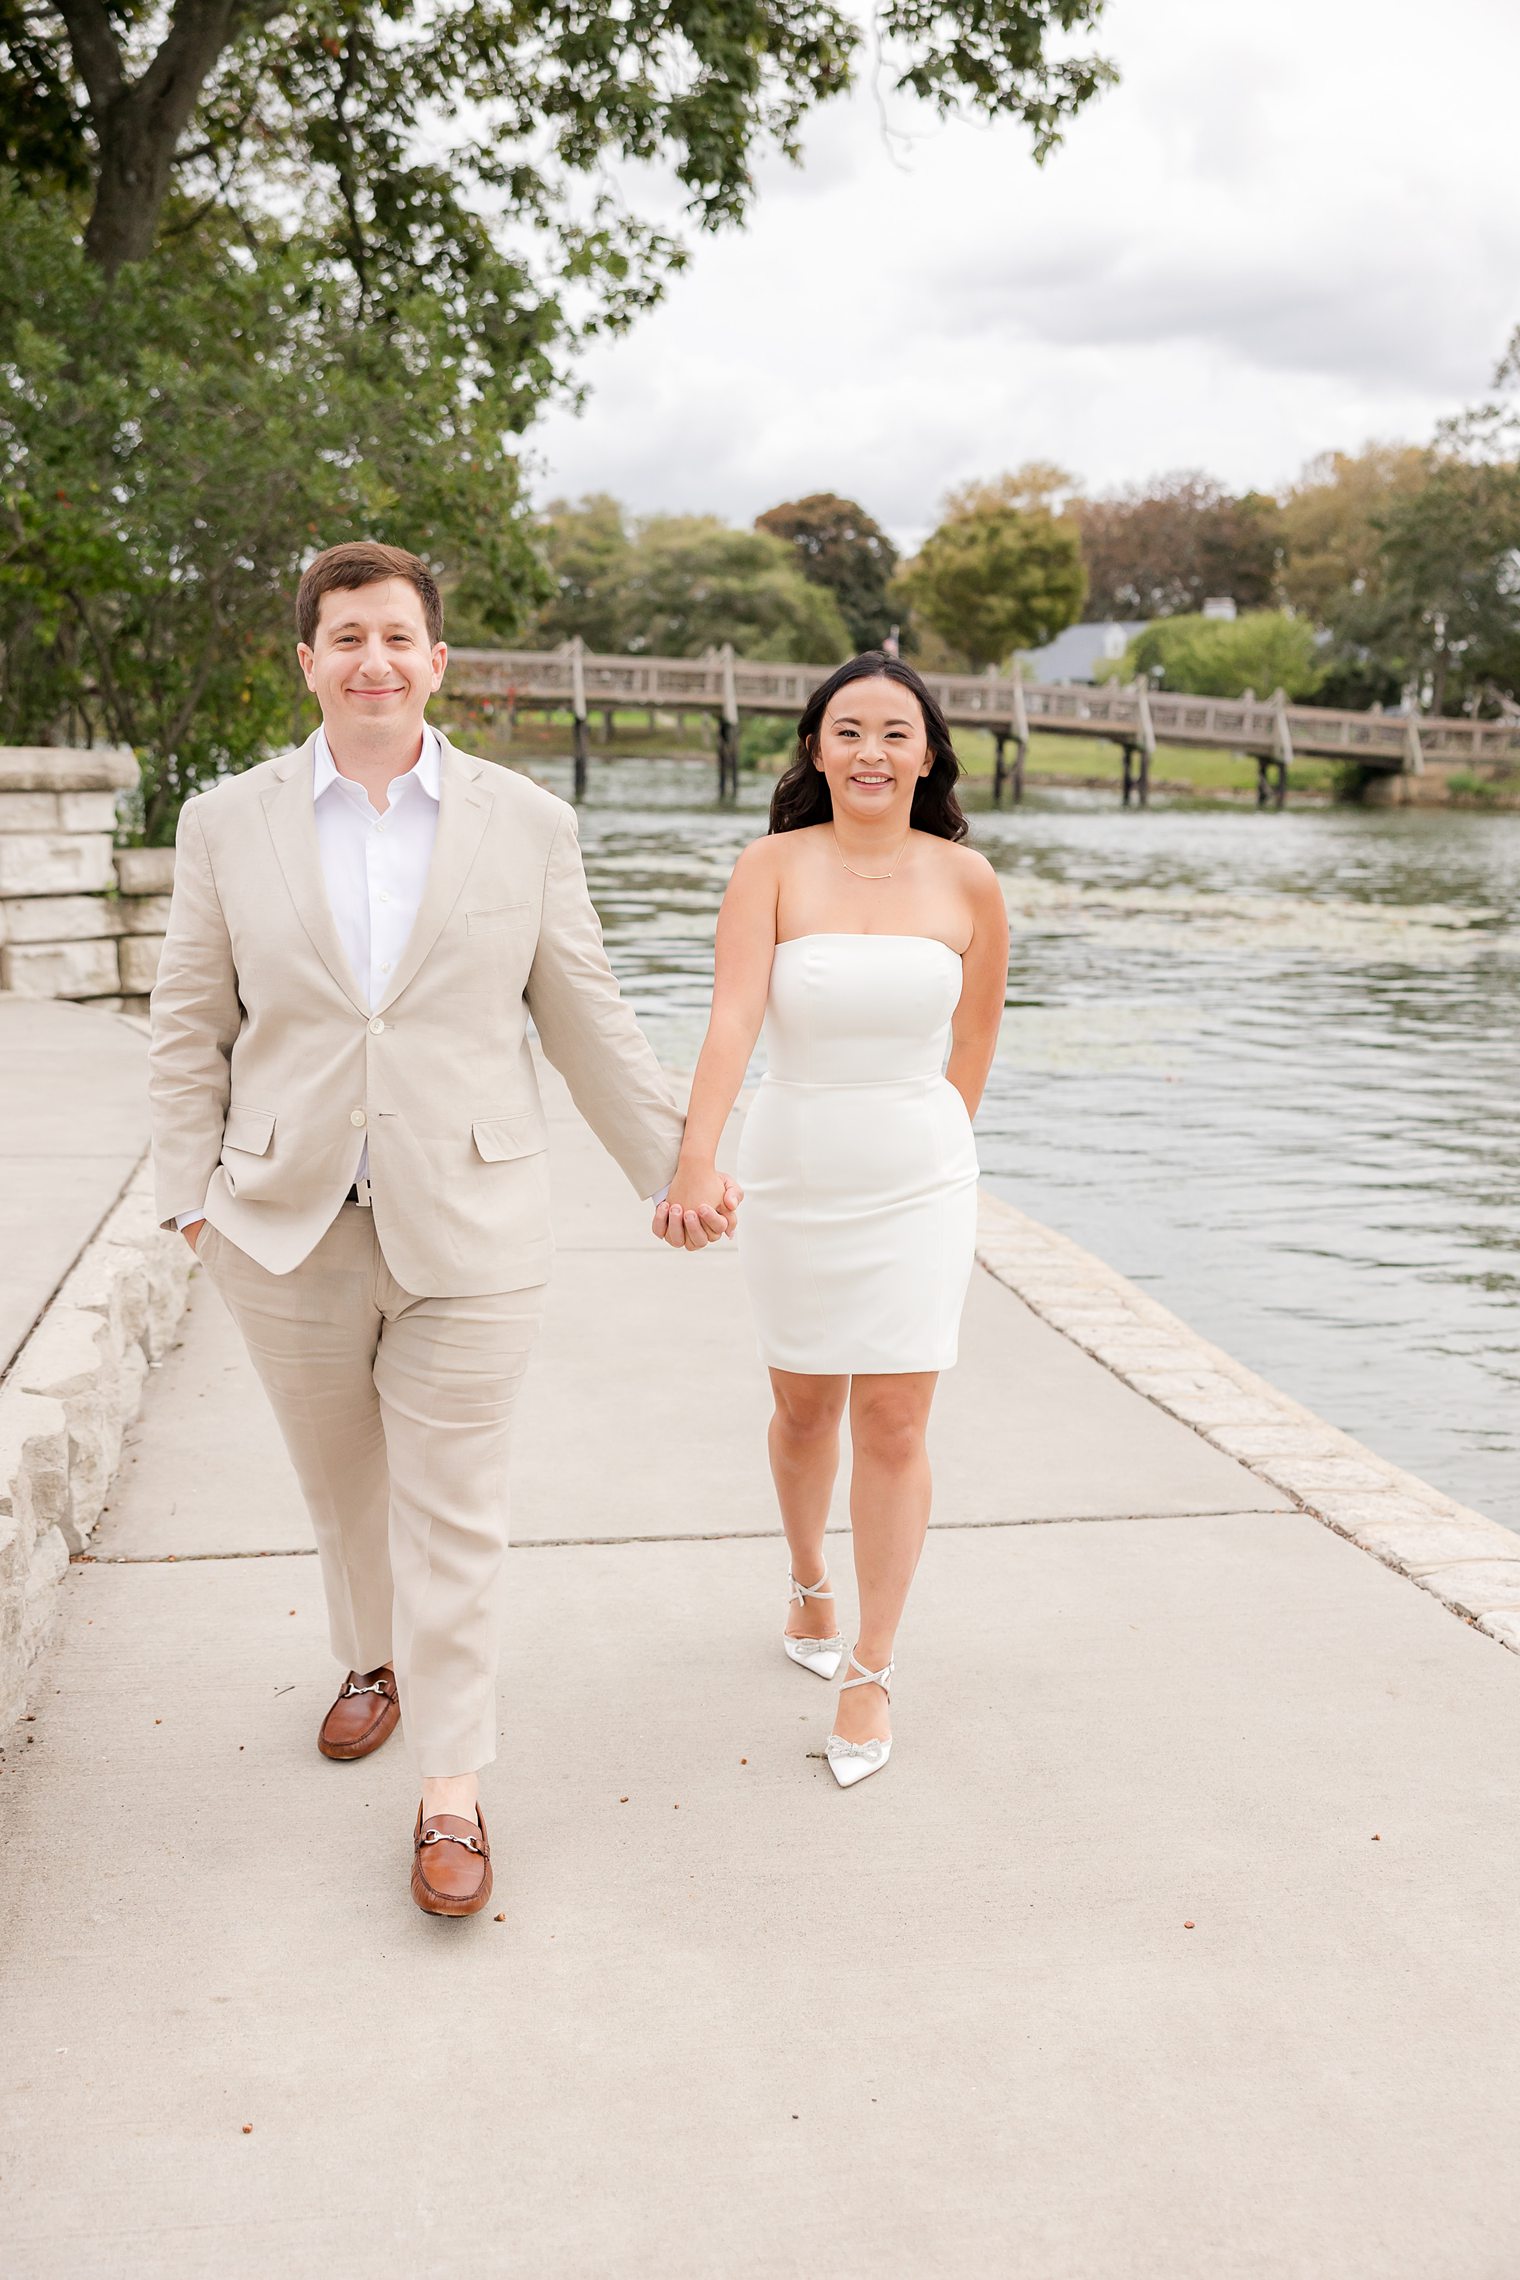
<point>65,1403</point>
<point>1470,1562</point>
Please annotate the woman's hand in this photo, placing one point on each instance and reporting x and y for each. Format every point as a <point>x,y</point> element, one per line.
<point>702,1205</point>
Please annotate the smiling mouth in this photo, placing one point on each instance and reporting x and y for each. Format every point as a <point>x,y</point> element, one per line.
<point>870,781</point>
<point>396,692</point>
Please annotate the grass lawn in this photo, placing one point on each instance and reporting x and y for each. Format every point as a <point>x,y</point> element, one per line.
<point>1081,759</point>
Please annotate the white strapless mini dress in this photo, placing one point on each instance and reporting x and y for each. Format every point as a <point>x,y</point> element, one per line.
<point>857,1161</point>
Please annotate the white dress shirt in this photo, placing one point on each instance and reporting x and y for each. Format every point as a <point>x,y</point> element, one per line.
<point>374,866</point>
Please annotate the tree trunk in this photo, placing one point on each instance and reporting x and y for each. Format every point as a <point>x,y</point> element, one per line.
<point>138,123</point>
<point>130,188</point>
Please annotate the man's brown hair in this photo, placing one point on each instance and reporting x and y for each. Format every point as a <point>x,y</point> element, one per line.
<point>364,562</point>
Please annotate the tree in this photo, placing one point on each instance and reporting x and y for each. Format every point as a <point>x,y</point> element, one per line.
<point>1038,487</point>
<point>244,101</point>
<point>1450,564</point>
<point>993,579</point>
<point>1160,551</point>
<point>838,546</point>
<point>174,447</point>
<point>589,556</point>
<point>694,584</point>
<point>1332,524</point>
<point>1223,657</point>
<point>1332,568</point>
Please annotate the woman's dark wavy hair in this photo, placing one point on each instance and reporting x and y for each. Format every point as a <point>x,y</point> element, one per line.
<point>802,795</point>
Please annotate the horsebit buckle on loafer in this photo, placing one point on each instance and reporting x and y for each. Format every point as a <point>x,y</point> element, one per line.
<point>443,1837</point>
<point>375,1686</point>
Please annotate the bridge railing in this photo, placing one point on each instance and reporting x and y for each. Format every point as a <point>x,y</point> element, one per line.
<point>998,701</point>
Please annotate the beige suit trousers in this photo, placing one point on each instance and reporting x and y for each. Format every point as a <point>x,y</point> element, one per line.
<point>397,1413</point>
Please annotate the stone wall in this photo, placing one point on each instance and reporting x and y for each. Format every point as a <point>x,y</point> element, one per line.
<point>67,1399</point>
<point>79,917</point>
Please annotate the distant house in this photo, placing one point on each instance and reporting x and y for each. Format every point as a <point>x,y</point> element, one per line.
<point>1076,654</point>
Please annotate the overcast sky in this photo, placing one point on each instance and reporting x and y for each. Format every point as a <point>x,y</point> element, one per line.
<point>1290,227</point>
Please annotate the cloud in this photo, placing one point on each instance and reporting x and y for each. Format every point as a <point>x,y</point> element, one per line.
<point>1283,232</point>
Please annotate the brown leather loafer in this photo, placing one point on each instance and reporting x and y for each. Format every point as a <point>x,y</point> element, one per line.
<point>364,1715</point>
<point>451,1865</point>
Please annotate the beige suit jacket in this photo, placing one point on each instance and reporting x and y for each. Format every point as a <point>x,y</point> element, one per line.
<point>267,1065</point>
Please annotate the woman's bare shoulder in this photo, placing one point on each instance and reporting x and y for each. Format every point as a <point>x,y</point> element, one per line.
<point>970,870</point>
<point>775,852</point>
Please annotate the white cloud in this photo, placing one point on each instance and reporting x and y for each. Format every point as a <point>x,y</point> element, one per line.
<point>1283,232</point>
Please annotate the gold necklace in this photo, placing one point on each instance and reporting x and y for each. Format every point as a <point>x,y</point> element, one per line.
<point>877,876</point>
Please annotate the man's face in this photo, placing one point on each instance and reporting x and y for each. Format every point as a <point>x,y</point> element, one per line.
<point>372,667</point>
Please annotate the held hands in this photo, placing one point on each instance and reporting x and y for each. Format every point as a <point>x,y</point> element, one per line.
<point>702,1206</point>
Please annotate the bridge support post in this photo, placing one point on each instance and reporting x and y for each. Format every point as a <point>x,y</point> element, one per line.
<point>1137,775</point>
<point>1020,723</point>
<point>582,726</point>
<point>1147,734</point>
<point>728,728</point>
<point>999,747</point>
<point>1414,756</point>
<point>1271,781</point>
<point>1272,767</point>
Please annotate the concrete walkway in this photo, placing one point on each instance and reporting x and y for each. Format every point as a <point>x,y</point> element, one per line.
<point>75,1122</point>
<point>735,2023</point>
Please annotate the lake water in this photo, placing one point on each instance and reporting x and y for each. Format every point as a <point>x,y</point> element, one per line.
<point>1266,1065</point>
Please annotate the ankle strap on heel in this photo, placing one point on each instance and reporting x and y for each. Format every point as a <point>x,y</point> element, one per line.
<point>881,1678</point>
<point>803,1592</point>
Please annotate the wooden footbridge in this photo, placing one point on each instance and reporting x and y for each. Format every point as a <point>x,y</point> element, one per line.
<point>576,681</point>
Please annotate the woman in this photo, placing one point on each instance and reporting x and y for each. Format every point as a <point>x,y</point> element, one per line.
<point>867,939</point>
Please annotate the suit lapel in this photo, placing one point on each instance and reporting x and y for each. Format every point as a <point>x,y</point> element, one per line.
<point>464,810</point>
<point>293,828</point>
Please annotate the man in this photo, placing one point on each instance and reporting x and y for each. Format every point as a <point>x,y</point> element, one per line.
<point>347,1128</point>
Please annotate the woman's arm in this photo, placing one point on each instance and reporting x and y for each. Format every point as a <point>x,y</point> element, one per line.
<point>744,948</point>
<point>984,987</point>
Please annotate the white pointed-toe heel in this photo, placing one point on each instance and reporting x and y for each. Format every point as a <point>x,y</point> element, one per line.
<point>820,1656</point>
<point>850,1762</point>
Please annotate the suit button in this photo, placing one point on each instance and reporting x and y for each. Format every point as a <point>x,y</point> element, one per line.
<point>376,1026</point>
<point>356,1116</point>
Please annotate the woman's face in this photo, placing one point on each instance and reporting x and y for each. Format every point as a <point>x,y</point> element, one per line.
<point>873,748</point>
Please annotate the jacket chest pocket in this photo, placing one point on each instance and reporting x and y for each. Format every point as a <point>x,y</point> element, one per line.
<point>499,945</point>
<point>505,919</point>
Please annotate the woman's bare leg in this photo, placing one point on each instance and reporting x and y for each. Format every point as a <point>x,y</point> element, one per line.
<point>890,1491</point>
<point>804,1449</point>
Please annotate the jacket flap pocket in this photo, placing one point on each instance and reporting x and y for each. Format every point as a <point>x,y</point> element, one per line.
<point>499,1138</point>
<point>250,1129</point>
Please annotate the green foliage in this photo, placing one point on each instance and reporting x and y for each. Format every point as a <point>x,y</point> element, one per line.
<point>1223,657</point>
<point>694,584</point>
<point>589,555</point>
<point>766,740</point>
<point>1451,576</point>
<point>1164,549</point>
<point>993,579</point>
<point>1332,525</point>
<point>402,122</point>
<point>676,585</point>
<point>175,444</point>
<point>838,546</point>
